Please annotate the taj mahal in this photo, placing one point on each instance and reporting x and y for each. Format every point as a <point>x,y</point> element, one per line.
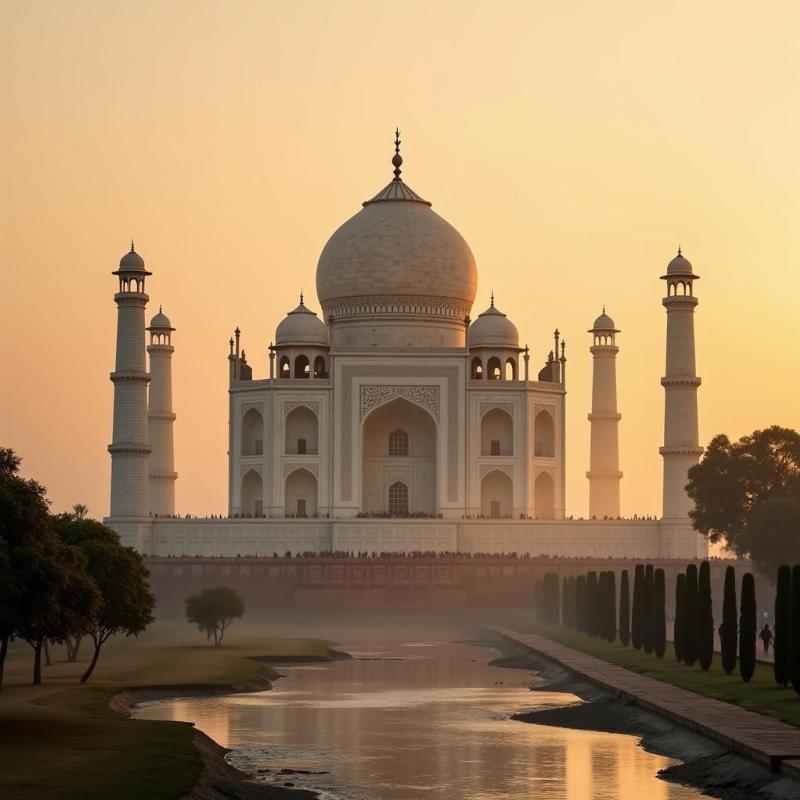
<point>394,419</point>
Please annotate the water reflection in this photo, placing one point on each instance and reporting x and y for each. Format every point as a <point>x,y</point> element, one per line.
<point>424,719</point>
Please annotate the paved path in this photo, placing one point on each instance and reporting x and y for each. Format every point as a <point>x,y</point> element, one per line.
<point>763,739</point>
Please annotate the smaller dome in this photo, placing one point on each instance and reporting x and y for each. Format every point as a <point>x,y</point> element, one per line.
<point>493,329</point>
<point>161,321</point>
<point>680,266</point>
<point>132,261</point>
<point>301,326</point>
<point>604,323</point>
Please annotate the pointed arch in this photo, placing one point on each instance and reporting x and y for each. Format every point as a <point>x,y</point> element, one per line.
<point>300,494</point>
<point>544,435</point>
<point>497,433</point>
<point>252,434</point>
<point>302,432</point>
<point>252,499</point>
<point>497,495</point>
<point>544,496</point>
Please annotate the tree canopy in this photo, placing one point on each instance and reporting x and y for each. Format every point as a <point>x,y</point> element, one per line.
<point>734,478</point>
<point>214,610</point>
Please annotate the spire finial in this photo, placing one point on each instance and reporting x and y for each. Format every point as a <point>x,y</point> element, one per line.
<point>133,250</point>
<point>301,297</point>
<point>397,159</point>
<point>159,308</point>
<point>604,308</point>
<point>492,302</point>
<point>679,250</point>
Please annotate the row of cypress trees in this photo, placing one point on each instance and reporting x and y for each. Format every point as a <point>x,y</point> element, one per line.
<point>648,615</point>
<point>787,627</point>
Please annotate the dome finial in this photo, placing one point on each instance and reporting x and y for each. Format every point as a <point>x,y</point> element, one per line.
<point>133,249</point>
<point>160,308</point>
<point>604,308</point>
<point>492,300</point>
<point>301,297</point>
<point>679,250</point>
<point>397,159</point>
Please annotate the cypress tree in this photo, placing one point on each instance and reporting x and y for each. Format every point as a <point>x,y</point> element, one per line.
<point>747,627</point>
<point>659,587</point>
<point>551,604</point>
<point>680,614</point>
<point>624,609</point>
<point>636,617</point>
<point>648,611</point>
<point>591,603</point>
<point>730,626</point>
<point>612,607</point>
<point>705,618</point>
<point>794,641</point>
<point>565,602</point>
<point>580,603</point>
<point>689,637</point>
<point>783,624</point>
<point>605,600</point>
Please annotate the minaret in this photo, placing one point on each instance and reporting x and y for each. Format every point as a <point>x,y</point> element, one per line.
<point>604,475</point>
<point>130,447</point>
<point>681,448</point>
<point>160,417</point>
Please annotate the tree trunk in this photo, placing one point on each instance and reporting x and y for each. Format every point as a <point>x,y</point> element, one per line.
<point>37,662</point>
<point>73,645</point>
<point>46,653</point>
<point>3,651</point>
<point>90,669</point>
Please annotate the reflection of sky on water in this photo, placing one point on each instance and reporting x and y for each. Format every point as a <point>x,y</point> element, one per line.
<point>398,728</point>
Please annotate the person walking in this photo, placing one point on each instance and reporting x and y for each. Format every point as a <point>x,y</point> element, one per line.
<point>766,637</point>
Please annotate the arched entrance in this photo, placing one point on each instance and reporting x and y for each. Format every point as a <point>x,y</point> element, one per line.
<point>252,494</point>
<point>300,496</point>
<point>302,432</point>
<point>497,495</point>
<point>497,433</point>
<point>544,496</point>
<point>399,446</point>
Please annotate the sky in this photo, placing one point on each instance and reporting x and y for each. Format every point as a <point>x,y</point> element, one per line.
<point>574,145</point>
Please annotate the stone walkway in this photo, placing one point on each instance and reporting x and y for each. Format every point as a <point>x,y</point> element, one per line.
<point>767,741</point>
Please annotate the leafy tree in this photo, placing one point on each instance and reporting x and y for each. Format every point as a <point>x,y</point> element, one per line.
<point>705,618</point>
<point>773,533</point>
<point>126,603</point>
<point>747,627</point>
<point>214,610</point>
<point>783,624</point>
<point>660,607</point>
<point>638,598</point>
<point>678,633</point>
<point>794,644</point>
<point>689,638</point>
<point>730,626</point>
<point>648,610</point>
<point>734,477</point>
<point>624,609</point>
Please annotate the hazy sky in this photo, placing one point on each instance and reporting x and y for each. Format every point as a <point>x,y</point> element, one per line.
<point>574,145</point>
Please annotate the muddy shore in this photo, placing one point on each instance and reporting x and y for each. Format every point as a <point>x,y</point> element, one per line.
<point>706,765</point>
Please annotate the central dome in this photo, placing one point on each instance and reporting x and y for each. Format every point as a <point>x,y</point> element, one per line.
<point>397,258</point>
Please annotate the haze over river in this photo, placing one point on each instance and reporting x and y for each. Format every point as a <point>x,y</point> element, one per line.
<point>419,713</point>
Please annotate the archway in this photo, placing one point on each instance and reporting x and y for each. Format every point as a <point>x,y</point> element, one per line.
<point>494,371</point>
<point>399,444</point>
<point>300,495</point>
<point>497,495</point>
<point>511,369</point>
<point>252,495</point>
<point>302,369</point>
<point>319,368</point>
<point>302,432</point>
<point>398,499</point>
<point>476,371</point>
<point>497,433</point>
<point>252,443</point>
<point>544,496</point>
<point>283,368</point>
<point>544,435</point>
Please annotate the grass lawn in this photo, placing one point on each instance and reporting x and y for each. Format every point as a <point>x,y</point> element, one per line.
<point>62,740</point>
<point>761,694</point>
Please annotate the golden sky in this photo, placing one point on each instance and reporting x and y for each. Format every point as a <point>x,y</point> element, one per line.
<point>573,144</point>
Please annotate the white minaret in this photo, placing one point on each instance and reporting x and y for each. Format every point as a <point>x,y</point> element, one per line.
<point>604,475</point>
<point>681,448</point>
<point>160,417</point>
<point>130,446</point>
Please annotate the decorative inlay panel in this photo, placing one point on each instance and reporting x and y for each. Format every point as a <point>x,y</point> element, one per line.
<point>507,407</point>
<point>343,307</point>
<point>485,469</point>
<point>425,396</point>
<point>289,468</point>
<point>352,372</point>
<point>311,405</point>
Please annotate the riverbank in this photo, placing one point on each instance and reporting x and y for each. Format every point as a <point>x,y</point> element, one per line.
<point>613,706</point>
<point>62,740</point>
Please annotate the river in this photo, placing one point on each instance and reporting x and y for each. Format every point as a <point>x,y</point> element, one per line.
<point>419,716</point>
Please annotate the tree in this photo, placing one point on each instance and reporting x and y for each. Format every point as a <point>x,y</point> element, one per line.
<point>79,511</point>
<point>734,477</point>
<point>794,644</point>
<point>783,624</point>
<point>689,638</point>
<point>580,603</point>
<point>730,627</point>
<point>773,533</point>
<point>705,618</point>
<point>611,606</point>
<point>624,609</point>
<point>550,597</point>
<point>214,610</point>
<point>126,603</point>
<point>637,617</point>
<point>648,610</point>
<point>660,603</point>
<point>747,627</point>
<point>591,603</point>
<point>680,615</point>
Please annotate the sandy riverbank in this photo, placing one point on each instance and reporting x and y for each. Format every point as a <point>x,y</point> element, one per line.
<point>706,765</point>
